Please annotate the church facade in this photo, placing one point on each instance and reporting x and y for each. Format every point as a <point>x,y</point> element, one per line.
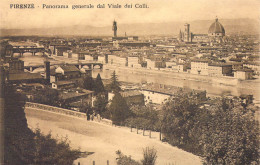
<point>216,33</point>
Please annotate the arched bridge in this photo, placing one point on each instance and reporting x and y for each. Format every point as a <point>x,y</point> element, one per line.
<point>91,65</point>
<point>23,47</point>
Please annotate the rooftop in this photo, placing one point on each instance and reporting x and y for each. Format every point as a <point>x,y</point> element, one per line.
<point>73,94</point>
<point>129,93</point>
<point>18,76</point>
<point>64,82</point>
<point>167,89</point>
<point>24,44</point>
<point>216,27</point>
<point>69,68</point>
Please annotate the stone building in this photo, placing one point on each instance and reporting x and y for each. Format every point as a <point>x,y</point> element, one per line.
<point>216,31</point>
<point>199,66</point>
<point>244,74</point>
<point>219,70</point>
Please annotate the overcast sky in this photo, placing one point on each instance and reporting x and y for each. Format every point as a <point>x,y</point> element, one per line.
<point>158,11</point>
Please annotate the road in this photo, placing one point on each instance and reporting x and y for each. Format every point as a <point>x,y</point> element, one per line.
<point>105,140</point>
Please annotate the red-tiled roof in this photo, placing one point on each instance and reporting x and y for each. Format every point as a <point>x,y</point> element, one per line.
<point>69,68</point>
<point>24,76</point>
<point>130,93</point>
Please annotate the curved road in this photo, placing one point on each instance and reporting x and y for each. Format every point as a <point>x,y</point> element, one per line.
<point>105,140</point>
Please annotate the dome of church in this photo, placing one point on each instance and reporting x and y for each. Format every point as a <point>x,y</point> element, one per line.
<point>216,29</point>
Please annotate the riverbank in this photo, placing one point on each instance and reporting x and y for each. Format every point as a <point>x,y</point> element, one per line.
<point>212,86</point>
<point>180,75</point>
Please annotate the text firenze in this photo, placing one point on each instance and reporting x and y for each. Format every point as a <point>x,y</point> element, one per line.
<point>22,6</point>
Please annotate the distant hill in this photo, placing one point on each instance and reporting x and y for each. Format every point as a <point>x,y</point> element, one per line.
<point>246,26</point>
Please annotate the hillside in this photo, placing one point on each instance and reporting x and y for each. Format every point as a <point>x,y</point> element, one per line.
<point>246,26</point>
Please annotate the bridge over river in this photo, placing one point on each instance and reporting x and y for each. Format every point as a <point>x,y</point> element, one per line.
<point>89,64</point>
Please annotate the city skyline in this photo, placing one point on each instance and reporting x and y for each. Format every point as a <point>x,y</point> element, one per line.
<point>158,12</point>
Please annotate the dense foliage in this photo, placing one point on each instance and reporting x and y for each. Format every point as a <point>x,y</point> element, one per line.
<point>119,109</point>
<point>231,135</point>
<point>178,119</point>
<point>22,146</point>
<point>89,83</point>
<point>144,117</point>
<point>47,96</point>
<point>100,104</point>
<point>52,151</point>
<point>223,132</point>
<point>18,138</point>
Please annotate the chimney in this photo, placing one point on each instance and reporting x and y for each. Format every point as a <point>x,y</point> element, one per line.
<point>47,71</point>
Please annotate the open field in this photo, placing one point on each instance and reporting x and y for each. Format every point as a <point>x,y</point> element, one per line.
<point>105,140</point>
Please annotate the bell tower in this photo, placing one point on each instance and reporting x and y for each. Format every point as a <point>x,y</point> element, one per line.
<point>114,28</point>
<point>187,33</point>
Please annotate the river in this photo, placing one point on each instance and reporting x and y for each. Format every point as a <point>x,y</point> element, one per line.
<point>244,87</point>
<point>249,87</point>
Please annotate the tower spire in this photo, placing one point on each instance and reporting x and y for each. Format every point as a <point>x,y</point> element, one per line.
<point>114,28</point>
<point>180,35</point>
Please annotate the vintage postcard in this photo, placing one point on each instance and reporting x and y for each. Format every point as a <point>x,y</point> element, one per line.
<point>129,82</point>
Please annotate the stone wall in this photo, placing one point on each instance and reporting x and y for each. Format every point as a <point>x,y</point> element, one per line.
<point>55,109</point>
<point>66,112</point>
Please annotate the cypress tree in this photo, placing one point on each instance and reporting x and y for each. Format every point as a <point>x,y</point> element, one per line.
<point>119,109</point>
<point>99,86</point>
<point>114,85</point>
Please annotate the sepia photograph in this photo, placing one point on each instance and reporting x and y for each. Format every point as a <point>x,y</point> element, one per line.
<point>129,82</point>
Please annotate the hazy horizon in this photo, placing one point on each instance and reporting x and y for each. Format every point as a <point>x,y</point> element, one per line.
<point>123,24</point>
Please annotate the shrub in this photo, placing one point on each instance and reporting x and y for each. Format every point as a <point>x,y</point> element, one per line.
<point>150,156</point>
<point>53,151</point>
<point>125,160</point>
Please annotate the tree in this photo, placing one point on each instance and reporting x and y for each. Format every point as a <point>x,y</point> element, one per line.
<point>114,85</point>
<point>178,119</point>
<point>53,151</point>
<point>231,136</point>
<point>119,109</point>
<point>100,104</point>
<point>18,138</point>
<point>47,96</point>
<point>143,117</point>
<point>99,86</point>
<point>88,83</point>
<point>22,146</point>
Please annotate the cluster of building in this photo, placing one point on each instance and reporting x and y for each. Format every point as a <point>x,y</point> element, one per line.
<point>213,54</point>
<point>216,33</point>
<point>65,79</point>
